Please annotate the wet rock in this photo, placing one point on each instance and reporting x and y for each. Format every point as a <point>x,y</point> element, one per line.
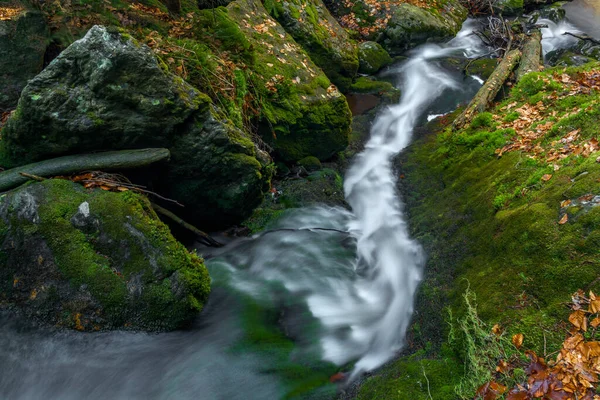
<point>372,57</point>
<point>94,260</point>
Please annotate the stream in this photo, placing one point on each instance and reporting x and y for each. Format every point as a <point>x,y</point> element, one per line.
<point>325,290</point>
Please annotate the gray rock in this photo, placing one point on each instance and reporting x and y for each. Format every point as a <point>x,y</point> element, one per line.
<point>107,92</point>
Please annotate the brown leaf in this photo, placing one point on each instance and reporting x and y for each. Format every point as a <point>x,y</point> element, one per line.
<point>565,203</point>
<point>516,394</point>
<point>547,177</point>
<point>595,322</point>
<point>564,219</point>
<point>578,320</point>
<point>497,330</point>
<point>517,340</point>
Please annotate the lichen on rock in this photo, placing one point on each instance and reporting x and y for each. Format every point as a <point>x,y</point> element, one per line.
<point>107,91</point>
<point>94,260</point>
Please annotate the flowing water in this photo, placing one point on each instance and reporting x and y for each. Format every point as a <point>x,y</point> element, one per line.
<point>326,288</point>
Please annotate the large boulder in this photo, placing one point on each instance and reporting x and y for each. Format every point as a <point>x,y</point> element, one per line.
<point>410,25</point>
<point>106,92</point>
<point>303,115</point>
<point>398,25</point>
<point>23,42</point>
<point>92,260</point>
<point>314,28</point>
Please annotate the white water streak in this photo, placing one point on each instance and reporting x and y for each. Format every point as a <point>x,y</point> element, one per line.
<point>378,317</point>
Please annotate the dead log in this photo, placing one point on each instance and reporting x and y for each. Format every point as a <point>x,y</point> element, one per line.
<point>532,55</point>
<point>204,238</point>
<point>489,90</point>
<point>106,161</point>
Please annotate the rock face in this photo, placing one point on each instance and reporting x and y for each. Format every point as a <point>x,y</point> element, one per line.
<point>106,92</point>
<point>94,260</point>
<point>23,42</point>
<point>304,114</point>
<point>314,28</point>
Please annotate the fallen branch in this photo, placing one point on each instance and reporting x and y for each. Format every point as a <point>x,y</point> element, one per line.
<point>489,90</point>
<point>532,55</point>
<point>591,39</point>
<point>32,177</point>
<point>110,160</point>
<point>204,238</point>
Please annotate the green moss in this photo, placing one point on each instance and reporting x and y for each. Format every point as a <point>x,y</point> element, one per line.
<point>310,163</point>
<point>127,242</point>
<point>491,223</point>
<point>370,85</point>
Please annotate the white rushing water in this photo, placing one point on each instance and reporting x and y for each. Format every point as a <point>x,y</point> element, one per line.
<point>553,36</point>
<point>380,315</point>
<point>363,301</point>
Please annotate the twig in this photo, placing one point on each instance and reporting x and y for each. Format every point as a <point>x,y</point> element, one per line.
<point>202,236</point>
<point>33,177</point>
<point>427,379</point>
<point>582,37</point>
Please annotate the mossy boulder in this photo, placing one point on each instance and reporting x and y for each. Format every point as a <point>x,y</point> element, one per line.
<point>104,91</point>
<point>321,36</point>
<point>372,57</point>
<point>303,113</point>
<point>23,42</point>
<point>107,91</point>
<point>310,163</point>
<point>410,25</point>
<point>94,260</point>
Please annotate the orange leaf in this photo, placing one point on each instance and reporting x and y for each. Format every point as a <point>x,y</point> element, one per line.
<point>517,340</point>
<point>564,219</point>
<point>578,320</point>
<point>565,203</point>
<point>595,322</point>
<point>496,330</point>
<point>547,177</point>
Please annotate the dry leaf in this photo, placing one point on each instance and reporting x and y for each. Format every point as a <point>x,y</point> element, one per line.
<point>564,219</point>
<point>547,177</point>
<point>517,340</point>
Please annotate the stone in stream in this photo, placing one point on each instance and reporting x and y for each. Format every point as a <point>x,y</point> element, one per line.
<point>23,42</point>
<point>107,92</point>
<point>94,260</point>
<point>372,57</point>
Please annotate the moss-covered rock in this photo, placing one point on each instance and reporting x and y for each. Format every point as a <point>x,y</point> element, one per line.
<point>410,25</point>
<point>372,57</point>
<point>105,92</point>
<point>326,42</point>
<point>23,42</point>
<point>303,114</point>
<point>92,260</point>
<point>310,163</point>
